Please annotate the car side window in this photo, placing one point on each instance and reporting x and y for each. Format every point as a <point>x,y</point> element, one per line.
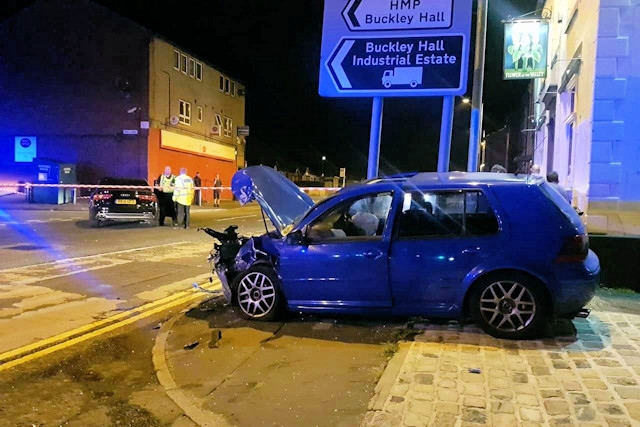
<point>446,214</point>
<point>361,218</point>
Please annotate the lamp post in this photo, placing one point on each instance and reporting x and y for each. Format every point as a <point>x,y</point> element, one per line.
<point>323,160</point>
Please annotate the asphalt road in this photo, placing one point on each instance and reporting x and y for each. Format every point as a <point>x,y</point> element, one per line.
<point>81,308</point>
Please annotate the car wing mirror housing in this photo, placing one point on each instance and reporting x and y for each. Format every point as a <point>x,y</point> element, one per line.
<point>297,237</point>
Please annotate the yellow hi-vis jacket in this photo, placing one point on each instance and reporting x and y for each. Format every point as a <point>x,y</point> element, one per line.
<point>167,183</point>
<point>183,190</point>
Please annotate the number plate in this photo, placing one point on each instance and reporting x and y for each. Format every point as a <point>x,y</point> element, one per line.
<point>125,202</point>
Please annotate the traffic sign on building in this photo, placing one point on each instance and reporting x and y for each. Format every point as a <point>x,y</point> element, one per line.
<point>395,48</point>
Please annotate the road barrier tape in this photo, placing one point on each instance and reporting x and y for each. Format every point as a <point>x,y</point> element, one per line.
<point>28,185</point>
<point>50,345</point>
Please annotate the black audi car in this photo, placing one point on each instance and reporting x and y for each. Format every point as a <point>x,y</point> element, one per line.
<point>122,199</point>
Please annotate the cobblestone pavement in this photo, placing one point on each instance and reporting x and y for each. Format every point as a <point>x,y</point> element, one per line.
<point>586,375</point>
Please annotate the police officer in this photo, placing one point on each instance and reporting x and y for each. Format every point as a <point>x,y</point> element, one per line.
<point>166,181</point>
<point>183,196</point>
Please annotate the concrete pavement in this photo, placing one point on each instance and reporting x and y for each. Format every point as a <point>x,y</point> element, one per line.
<point>453,375</point>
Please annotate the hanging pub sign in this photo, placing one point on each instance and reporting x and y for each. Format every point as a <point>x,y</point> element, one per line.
<point>525,50</point>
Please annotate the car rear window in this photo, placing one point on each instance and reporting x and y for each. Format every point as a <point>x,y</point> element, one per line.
<point>123,181</point>
<point>446,213</point>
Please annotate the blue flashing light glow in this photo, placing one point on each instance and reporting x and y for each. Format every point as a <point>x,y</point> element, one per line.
<point>441,257</point>
<point>31,236</point>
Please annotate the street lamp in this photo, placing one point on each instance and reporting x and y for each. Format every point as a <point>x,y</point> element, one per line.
<point>466,100</point>
<point>323,160</point>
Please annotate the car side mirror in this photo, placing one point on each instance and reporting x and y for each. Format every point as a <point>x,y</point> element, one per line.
<point>296,237</point>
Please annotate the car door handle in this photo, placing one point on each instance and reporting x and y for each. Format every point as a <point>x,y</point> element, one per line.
<point>372,253</point>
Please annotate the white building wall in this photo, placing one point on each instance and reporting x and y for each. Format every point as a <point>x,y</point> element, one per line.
<point>614,196</point>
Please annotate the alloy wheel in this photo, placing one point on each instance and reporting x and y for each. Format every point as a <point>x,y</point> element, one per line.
<point>507,306</point>
<point>256,294</point>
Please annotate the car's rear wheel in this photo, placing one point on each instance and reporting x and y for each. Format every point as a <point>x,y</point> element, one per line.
<point>93,222</point>
<point>508,306</point>
<point>257,294</point>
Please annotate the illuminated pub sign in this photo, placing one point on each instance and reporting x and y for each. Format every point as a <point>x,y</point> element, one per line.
<point>525,50</point>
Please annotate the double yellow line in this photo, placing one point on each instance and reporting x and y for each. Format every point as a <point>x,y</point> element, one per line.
<point>47,346</point>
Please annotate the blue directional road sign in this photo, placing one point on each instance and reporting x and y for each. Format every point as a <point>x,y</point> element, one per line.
<point>395,48</point>
<point>419,65</point>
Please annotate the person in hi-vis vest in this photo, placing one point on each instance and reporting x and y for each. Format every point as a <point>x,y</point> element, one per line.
<point>183,196</point>
<point>166,182</point>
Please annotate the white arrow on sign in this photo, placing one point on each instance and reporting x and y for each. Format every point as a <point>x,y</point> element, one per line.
<point>376,15</point>
<point>336,64</point>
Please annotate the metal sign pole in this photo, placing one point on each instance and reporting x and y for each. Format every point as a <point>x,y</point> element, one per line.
<point>476,96</point>
<point>374,137</point>
<point>446,130</point>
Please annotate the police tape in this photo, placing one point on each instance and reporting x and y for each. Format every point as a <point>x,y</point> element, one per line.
<point>17,187</point>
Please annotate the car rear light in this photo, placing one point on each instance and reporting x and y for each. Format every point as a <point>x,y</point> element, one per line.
<point>575,249</point>
<point>102,196</point>
<point>147,198</point>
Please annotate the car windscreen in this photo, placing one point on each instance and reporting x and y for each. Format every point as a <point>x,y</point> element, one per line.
<point>123,181</point>
<point>562,204</point>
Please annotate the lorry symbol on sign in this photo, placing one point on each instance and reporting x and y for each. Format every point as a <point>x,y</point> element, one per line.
<point>411,76</point>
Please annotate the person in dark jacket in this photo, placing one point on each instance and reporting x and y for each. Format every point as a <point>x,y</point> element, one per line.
<point>197,182</point>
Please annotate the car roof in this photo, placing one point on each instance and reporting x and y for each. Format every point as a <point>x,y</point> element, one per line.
<point>123,181</point>
<point>415,179</point>
<point>466,178</point>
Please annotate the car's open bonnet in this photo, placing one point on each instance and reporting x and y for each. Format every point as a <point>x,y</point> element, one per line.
<point>280,199</point>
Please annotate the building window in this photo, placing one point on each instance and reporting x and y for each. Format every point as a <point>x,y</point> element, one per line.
<point>222,83</point>
<point>198,71</point>
<point>227,86</point>
<point>176,60</point>
<point>183,63</point>
<point>228,127</point>
<point>218,120</point>
<point>200,114</point>
<point>185,112</point>
<point>192,67</point>
<point>233,88</point>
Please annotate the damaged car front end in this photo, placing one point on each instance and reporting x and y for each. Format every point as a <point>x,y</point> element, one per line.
<point>247,266</point>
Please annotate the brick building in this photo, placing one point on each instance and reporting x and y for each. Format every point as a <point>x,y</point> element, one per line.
<point>92,88</point>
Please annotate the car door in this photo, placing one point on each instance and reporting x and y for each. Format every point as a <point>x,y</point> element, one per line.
<point>344,261</point>
<point>434,250</point>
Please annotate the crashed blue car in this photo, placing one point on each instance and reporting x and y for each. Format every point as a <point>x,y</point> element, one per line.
<point>507,251</point>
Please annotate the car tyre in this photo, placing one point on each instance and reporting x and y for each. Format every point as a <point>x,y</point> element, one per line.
<point>257,294</point>
<point>510,306</point>
<point>93,222</point>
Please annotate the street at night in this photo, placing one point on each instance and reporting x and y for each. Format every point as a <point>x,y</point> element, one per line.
<point>103,327</point>
<point>330,213</point>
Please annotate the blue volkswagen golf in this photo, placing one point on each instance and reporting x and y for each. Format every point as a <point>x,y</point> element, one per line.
<point>505,250</point>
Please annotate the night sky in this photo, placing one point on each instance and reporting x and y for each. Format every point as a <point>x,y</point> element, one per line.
<point>274,48</point>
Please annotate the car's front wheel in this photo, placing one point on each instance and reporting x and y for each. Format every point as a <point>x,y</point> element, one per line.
<point>508,306</point>
<point>257,294</point>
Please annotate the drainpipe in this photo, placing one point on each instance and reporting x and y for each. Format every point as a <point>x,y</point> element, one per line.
<point>169,103</point>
